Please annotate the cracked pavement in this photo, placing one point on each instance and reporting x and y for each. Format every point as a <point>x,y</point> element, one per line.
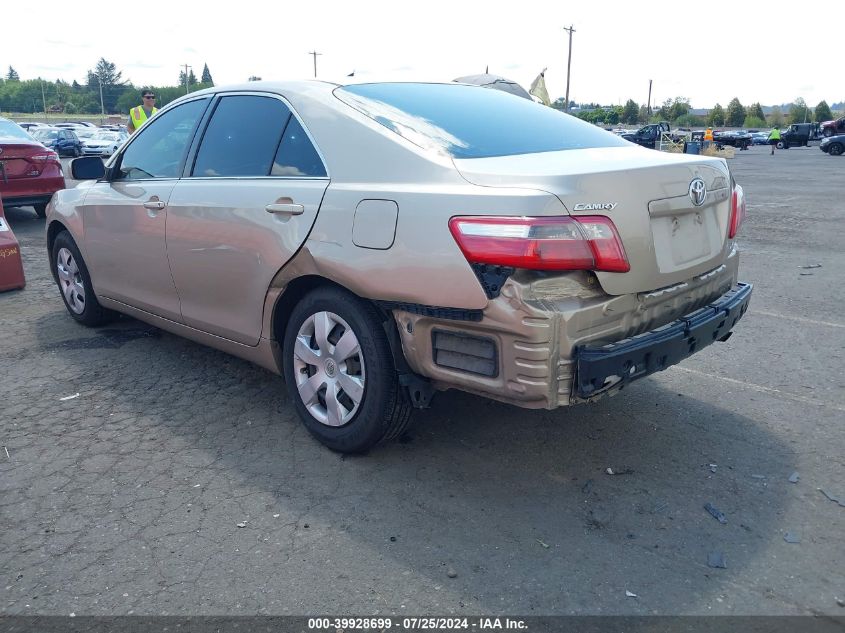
<point>129,497</point>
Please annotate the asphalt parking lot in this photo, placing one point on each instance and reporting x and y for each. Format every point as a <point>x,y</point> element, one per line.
<point>130,497</point>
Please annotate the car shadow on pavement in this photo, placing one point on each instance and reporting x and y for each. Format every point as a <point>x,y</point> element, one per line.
<point>193,464</point>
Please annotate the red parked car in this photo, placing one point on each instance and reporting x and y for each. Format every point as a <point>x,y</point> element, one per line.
<point>29,172</point>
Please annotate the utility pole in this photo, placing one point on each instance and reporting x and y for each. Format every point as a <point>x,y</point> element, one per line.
<point>314,54</point>
<point>568,65</point>
<point>102,107</point>
<point>186,76</point>
<point>648,108</point>
<point>43,99</point>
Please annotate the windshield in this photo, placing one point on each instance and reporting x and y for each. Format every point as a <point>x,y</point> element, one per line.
<point>8,129</point>
<point>45,135</point>
<point>106,136</point>
<point>472,122</point>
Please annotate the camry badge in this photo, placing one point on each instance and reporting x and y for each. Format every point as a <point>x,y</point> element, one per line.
<point>595,206</point>
<point>697,191</point>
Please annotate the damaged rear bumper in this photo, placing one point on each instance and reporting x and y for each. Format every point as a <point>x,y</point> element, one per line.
<point>602,368</point>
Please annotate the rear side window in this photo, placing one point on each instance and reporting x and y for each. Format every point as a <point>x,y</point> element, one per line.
<point>296,156</point>
<point>473,122</point>
<point>242,137</point>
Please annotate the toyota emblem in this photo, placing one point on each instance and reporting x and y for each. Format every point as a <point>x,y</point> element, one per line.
<point>697,192</point>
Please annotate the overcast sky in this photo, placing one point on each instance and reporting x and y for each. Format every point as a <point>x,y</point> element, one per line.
<point>708,51</point>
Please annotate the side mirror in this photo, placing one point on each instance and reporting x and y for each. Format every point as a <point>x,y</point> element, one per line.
<point>87,168</point>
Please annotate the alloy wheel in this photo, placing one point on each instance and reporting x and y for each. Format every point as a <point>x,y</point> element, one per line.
<point>329,368</point>
<point>70,281</point>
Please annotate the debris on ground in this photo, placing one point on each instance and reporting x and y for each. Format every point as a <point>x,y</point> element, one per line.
<point>716,560</point>
<point>811,266</point>
<point>627,471</point>
<point>840,501</point>
<point>794,477</point>
<point>630,594</point>
<point>76,395</point>
<point>609,471</point>
<point>840,602</point>
<point>719,516</point>
<point>7,452</point>
<point>758,476</point>
<point>276,516</point>
<point>660,507</point>
<point>392,539</point>
<point>242,524</point>
<point>452,573</point>
<point>545,545</point>
<point>587,488</point>
<point>791,537</point>
<point>712,467</point>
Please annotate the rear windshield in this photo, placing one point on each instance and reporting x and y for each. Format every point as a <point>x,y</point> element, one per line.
<point>8,129</point>
<point>473,122</point>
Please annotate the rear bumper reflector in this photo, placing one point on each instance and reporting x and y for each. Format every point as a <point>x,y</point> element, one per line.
<point>474,354</point>
<point>616,364</point>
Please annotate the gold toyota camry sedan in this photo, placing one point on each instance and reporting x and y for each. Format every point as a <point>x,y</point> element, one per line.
<point>376,243</point>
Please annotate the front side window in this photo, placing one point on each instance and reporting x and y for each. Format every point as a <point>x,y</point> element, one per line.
<point>242,137</point>
<point>472,122</point>
<point>159,148</point>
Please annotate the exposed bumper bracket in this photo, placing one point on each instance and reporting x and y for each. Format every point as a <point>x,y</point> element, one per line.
<point>600,368</point>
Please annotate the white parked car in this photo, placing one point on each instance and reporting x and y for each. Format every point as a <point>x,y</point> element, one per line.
<point>103,143</point>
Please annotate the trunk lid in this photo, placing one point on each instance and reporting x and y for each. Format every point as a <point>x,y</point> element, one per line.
<point>668,238</point>
<point>17,161</point>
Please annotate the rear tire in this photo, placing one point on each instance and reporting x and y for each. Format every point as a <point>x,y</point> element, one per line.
<point>74,283</point>
<point>340,372</point>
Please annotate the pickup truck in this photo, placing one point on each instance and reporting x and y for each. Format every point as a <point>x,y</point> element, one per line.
<point>648,135</point>
<point>829,128</point>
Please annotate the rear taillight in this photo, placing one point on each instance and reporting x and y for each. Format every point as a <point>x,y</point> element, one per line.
<point>737,211</point>
<point>553,243</point>
<point>45,156</point>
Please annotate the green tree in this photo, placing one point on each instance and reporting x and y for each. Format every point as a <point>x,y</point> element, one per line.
<point>776,117</point>
<point>559,104</point>
<point>206,75</point>
<point>12,75</point>
<point>823,112</point>
<point>631,112</point>
<point>664,111</point>
<point>716,117</point>
<point>680,107</point>
<point>111,80</point>
<point>799,112</point>
<point>756,110</point>
<point>752,122</point>
<point>70,108</point>
<point>735,114</point>
<point>689,120</point>
<point>192,78</point>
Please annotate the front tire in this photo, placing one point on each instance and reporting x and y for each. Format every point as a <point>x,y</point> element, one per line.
<point>74,283</point>
<point>340,372</point>
<point>835,149</point>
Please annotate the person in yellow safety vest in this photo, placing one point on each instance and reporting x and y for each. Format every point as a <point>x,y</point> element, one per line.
<point>142,113</point>
<point>774,139</point>
<point>708,135</point>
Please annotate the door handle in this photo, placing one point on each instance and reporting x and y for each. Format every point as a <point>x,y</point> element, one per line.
<point>154,204</point>
<point>289,209</point>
